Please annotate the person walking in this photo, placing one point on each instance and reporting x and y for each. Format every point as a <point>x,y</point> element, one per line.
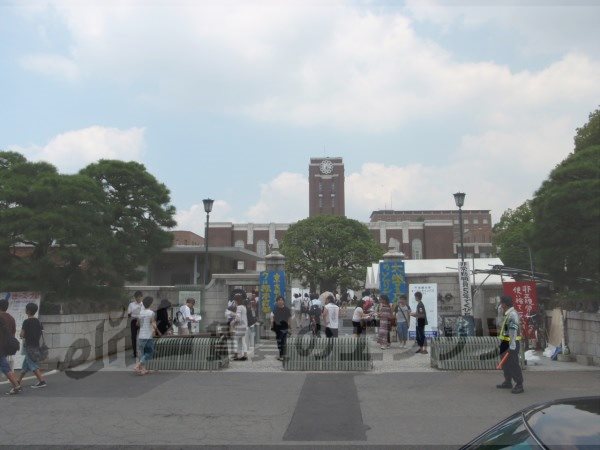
<point>510,341</point>
<point>297,312</point>
<point>133,312</point>
<point>331,316</point>
<point>385,319</point>
<point>240,327</point>
<point>421,315</point>
<point>315,311</point>
<point>280,324</point>
<point>8,329</point>
<point>402,321</point>
<point>31,332</point>
<point>252,313</point>
<point>148,329</point>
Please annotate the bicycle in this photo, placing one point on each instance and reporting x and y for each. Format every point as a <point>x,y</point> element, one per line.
<point>538,321</point>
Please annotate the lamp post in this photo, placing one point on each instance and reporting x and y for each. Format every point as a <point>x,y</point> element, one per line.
<point>208,204</point>
<point>459,198</point>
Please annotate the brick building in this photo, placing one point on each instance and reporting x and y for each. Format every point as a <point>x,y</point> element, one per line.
<point>419,234</point>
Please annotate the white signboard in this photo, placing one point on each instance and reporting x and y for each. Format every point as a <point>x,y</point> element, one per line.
<point>429,291</point>
<point>16,308</point>
<point>464,287</point>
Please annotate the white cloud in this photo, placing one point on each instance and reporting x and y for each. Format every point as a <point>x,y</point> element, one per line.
<point>73,150</point>
<point>283,199</point>
<point>338,65</point>
<point>52,65</point>
<point>194,218</point>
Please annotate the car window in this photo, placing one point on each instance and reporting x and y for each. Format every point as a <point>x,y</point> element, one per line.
<point>508,434</point>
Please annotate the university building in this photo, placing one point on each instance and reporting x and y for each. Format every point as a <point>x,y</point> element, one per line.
<point>242,247</point>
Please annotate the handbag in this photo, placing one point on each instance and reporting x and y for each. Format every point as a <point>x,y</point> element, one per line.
<point>40,353</point>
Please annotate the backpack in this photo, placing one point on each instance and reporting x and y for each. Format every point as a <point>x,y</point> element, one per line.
<point>178,319</point>
<point>10,345</point>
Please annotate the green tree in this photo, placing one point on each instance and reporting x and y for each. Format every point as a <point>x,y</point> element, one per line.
<point>329,251</point>
<point>566,210</point>
<point>77,236</point>
<point>589,134</point>
<point>51,229</point>
<point>512,237</point>
<point>138,214</point>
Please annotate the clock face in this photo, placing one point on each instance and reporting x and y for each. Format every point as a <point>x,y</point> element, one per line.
<point>326,167</point>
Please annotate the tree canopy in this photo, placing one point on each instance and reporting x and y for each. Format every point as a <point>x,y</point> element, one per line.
<point>329,251</point>
<point>512,236</point>
<point>589,134</point>
<point>63,234</point>
<point>566,210</point>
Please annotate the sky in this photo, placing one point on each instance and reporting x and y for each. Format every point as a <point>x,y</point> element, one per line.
<point>231,99</point>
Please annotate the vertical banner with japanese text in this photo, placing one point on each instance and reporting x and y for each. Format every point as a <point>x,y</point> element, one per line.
<point>464,287</point>
<point>524,295</point>
<point>392,279</point>
<point>272,285</point>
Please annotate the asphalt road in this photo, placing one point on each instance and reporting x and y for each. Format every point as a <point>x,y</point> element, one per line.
<point>274,409</point>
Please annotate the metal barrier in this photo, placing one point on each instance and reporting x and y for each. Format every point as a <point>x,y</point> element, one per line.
<point>307,353</point>
<point>189,353</point>
<point>466,353</point>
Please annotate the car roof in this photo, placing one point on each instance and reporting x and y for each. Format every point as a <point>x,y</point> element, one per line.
<point>572,421</point>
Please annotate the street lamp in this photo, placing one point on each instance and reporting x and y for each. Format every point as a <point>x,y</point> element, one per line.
<point>459,198</point>
<point>208,204</point>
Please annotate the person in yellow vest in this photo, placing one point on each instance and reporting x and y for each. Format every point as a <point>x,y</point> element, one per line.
<point>510,341</point>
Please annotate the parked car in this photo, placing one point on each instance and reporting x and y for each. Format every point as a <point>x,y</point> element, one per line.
<point>567,423</point>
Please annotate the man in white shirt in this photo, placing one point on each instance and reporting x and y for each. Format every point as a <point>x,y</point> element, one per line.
<point>296,311</point>
<point>185,327</point>
<point>331,315</point>
<point>133,312</point>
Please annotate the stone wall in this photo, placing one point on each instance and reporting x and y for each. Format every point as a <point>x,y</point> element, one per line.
<point>583,336</point>
<point>77,338</point>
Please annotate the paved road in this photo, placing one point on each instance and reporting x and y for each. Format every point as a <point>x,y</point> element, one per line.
<point>279,409</point>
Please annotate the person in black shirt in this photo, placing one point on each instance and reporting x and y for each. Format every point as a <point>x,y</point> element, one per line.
<point>281,320</point>
<point>162,317</point>
<point>31,332</point>
<point>421,315</point>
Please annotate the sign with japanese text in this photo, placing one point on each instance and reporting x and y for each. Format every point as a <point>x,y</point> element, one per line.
<point>392,279</point>
<point>16,308</point>
<point>464,287</point>
<point>430,302</point>
<point>524,295</point>
<point>272,285</point>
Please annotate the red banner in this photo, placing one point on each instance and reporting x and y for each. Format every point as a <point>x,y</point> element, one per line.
<point>524,294</point>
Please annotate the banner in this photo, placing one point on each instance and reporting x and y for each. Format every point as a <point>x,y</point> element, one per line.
<point>429,291</point>
<point>392,279</point>
<point>271,285</point>
<point>16,308</point>
<point>525,301</point>
<point>464,288</point>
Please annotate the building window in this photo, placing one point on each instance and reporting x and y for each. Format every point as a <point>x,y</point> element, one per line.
<point>240,265</point>
<point>320,202</point>
<point>485,221</point>
<point>466,221</point>
<point>455,222</point>
<point>395,244</point>
<point>333,200</point>
<point>239,244</point>
<point>475,221</point>
<point>261,248</point>
<point>417,249</point>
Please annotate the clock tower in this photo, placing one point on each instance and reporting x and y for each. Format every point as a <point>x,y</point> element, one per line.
<point>326,187</point>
